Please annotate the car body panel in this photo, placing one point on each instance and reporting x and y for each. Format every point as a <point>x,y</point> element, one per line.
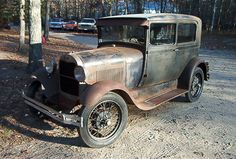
<point>71,25</point>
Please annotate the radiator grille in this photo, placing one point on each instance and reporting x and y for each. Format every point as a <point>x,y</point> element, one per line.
<point>67,82</point>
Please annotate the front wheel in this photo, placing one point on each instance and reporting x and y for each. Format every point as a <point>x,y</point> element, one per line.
<point>104,122</point>
<point>196,86</point>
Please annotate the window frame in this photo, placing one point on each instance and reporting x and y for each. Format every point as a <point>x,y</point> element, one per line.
<point>163,22</point>
<point>196,31</point>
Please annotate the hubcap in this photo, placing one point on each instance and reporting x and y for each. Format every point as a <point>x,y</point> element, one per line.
<point>104,120</point>
<point>196,85</point>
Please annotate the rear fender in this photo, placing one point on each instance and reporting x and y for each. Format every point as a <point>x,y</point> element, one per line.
<point>185,78</point>
<point>49,82</point>
<point>95,92</point>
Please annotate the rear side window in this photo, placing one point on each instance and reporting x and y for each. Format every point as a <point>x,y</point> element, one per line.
<point>186,33</point>
<point>162,33</point>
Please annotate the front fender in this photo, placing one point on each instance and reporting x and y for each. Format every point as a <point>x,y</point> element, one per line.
<point>96,91</point>
<point>49,82</point>
<point>185,78</point>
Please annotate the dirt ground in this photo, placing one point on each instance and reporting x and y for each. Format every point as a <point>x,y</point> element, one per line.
<point>204,129</point>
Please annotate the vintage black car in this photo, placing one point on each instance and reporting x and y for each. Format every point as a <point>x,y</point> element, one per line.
<point>142,60</point>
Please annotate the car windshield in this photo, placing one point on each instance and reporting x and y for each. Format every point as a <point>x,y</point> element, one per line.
<point>122,33</point>
<point>71,22</point>
<point>87,21</point>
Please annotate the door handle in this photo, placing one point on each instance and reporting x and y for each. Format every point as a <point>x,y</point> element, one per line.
<point>176,50</point>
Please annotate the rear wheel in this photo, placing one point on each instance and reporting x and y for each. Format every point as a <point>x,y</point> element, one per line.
<point>35,92</point>
<point>104,122</point>
<point>196,86</point>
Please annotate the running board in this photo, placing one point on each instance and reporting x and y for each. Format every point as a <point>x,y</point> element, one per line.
<point>157,100</point>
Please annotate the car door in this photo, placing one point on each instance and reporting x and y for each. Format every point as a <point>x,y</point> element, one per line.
<point>161,58</point>
<point>187,44</point>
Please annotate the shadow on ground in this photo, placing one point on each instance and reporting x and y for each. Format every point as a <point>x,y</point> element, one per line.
<point>15,115</point>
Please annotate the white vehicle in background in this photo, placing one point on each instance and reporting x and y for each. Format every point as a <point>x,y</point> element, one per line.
<point>57,23</point>
<point>87,24</point>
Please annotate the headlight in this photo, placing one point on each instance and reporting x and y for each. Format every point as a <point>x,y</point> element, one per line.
<point>79,73</point>
<point>51,66</point>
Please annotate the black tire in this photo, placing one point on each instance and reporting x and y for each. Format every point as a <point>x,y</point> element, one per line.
<point>33,89</point>
<point>196,85</point>
<point>92,132</point>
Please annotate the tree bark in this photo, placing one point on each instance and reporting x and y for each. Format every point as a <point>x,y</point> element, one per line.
<point>116,7</point>
<point>126,6</point>
<point>22,25</point>
<point>46,31</point>
<point>138,6</point>
<point>35,35</point>
<point>219,17</point>
<point>213,16</point>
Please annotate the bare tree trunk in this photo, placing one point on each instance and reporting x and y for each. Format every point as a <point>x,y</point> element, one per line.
<point>219,19</point>
<point>66,9</point>
<point>35,33</point>
<point>116,7</point>
<point>22,24</point>
<point>46,31</point>
<point>110,9</point>
<point>138,6</point>
<point>164,7</point>
<point>213,16</point>
<point>103,8</point>
<point>126,6</point>
<point>161,6</point>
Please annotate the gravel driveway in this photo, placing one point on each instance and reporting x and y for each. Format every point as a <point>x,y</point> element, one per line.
<point>86,39</point>
<point>204,129</point>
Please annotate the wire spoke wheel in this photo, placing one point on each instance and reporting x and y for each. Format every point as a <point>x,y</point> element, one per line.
<point>104,119</point>
<point>196,86</point>
<point>104,122</point>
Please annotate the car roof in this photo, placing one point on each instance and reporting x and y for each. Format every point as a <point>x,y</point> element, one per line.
<point>153,17</point>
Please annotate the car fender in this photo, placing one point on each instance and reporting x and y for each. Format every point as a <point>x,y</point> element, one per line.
<point>95,92</point>
<point>185,77</point>
<point>50,82</point>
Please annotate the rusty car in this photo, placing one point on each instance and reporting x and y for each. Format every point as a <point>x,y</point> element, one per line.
<point>141,60</point>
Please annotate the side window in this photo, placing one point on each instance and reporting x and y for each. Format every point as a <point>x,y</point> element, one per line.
<point>162,33</point>
<point>186,33</point>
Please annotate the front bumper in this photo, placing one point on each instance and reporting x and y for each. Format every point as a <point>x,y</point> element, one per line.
<point>86,29</point>
<point>69,119</point>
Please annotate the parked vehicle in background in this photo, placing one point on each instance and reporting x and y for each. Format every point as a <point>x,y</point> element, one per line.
<point>71,25</point>
<point>87,24</point>
<point>57,23</point>
<point>142,60</point>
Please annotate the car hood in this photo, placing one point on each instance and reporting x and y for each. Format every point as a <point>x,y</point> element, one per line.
<point>110,63</point>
